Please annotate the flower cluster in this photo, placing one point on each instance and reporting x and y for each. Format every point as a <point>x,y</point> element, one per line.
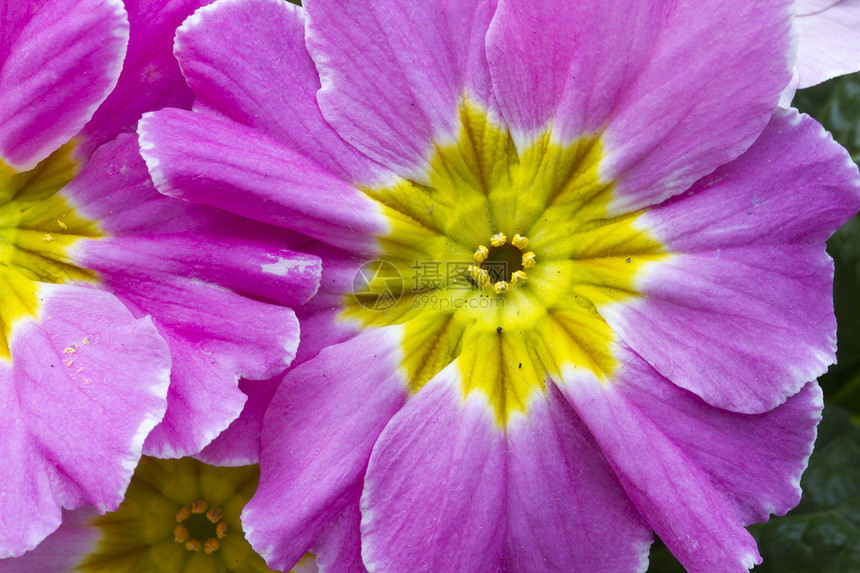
<point>480,286</point>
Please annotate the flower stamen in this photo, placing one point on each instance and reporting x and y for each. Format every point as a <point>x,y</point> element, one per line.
<point>528,260</point>
<point>211,546</point>
<point>482,253</point>
<point>480,276</point>
<point>498,239</point>
<point>500,262</point>
<point>180,534</point>
<point>520,242</point>
<point>221,530</point>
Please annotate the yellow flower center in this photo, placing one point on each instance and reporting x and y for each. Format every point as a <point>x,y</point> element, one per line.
<point>37,228</point>
<point>499,260</point>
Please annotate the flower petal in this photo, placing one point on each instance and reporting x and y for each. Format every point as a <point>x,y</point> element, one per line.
<point>829,41</point>
<point>742,315</point>
<point>86,385</point>
<point>566,510</point>
<point>339,549</point>
<point>392,73</point>
<point>226,165</point>
<point>317,436</point>
<point>150,234</point>
<point>614,67</point>
<point>66,55</point>
<point>64,549</point>
<point>322,320</point>
<point>265,80</point>
<point>239,444</point>
<point>434,493</point>
<point>215,337</point>
<point>567,65</point>
<point>708,472</point>
<point>197,273</point>
<point>150,77</point>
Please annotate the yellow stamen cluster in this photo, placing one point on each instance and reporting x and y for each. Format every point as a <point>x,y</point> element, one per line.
<point>482,278</point>
<point>213,515</point>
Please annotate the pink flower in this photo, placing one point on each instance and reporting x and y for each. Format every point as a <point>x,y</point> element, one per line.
<point>574,280</point>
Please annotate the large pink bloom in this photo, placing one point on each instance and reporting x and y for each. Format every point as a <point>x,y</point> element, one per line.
<point>127,317</point>
<point>574,281</point>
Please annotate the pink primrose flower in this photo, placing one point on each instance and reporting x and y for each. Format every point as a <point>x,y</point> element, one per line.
<point>574,283</point>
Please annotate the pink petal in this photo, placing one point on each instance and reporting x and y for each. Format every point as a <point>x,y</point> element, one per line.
<point>86,384</point>
<point>698,474</point>
<point>202,274</point>
<point>317,436</point>
<point>66,56</point>
<point>652,77</point>
<point>224,164</point>
<point>393,74</point>
<point>265,79</point>
<point>829,41</point>
<point>63,550</point>
<point>150,77</point>
<point>742,314</point>
<point>434,493</point>
<point>566,510</point>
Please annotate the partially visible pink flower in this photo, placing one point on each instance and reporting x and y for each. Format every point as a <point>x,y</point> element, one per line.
<point>177,516</point>
<point>110,291</point>
<point>828,43</point>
